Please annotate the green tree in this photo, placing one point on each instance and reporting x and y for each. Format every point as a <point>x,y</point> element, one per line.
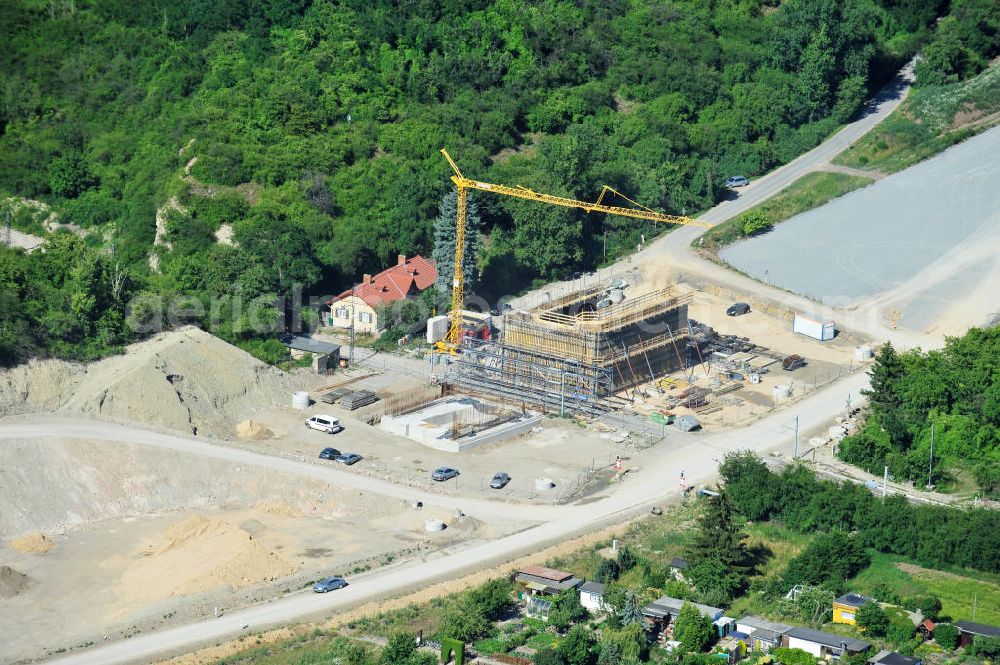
<point>626,559</point>
<point>494,598</point>
<point>566,609</point>
<point>816,69</point>
<point>749,483</point>
<point>68,175</point>
<point>718,551</point>
<point>692,630</point>
<point>872,619</point>
<point>465,621</point>
<point>401,648</point>
<point>630,612</point>
<point>607,571</point>
<point>444,243</point>
<point>549,656</point>
<point>830,557</point>
<point>946,636</point>
<point>576,648</point>
<point>929,606</point>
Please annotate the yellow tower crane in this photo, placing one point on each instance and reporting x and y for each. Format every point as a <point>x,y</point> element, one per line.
<point>463,184</point>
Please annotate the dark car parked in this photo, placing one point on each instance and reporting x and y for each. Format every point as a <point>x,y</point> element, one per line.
<point>329,453</point>
<point>738,309</point>
<point>500,480</point>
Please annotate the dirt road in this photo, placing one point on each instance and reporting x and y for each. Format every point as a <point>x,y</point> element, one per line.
<point>652,484</point>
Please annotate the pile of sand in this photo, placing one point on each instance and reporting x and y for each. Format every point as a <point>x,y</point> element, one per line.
<point>12,582</point>
<point>184,380</point>
<point>253,431</point>
<point>200,554</point>
<point>33,543</point>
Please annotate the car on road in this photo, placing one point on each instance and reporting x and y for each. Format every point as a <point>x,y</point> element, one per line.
<point>499,480</point>
<point>329,584</point>
<point>327,424</point>
<point>738,309</point>
<point>348,458</point>
<point>329,453</point>
<point>737,181</point>
<point>792,362</point>
<point>443,473</point>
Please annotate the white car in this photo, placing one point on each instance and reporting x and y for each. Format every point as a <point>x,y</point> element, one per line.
<point>327,424</point>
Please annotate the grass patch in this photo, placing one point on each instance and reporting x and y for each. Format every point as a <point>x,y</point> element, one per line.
<point>303,650</point>
<point>931,119</point>
<point>810,191</point>
<point>958,589</point>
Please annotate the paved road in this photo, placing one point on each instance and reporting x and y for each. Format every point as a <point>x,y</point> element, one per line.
<point>672,254</point>
<point>654,483</point>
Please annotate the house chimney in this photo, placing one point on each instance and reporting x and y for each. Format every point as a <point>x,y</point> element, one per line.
<point>401,259</point>
<point>367,279</point>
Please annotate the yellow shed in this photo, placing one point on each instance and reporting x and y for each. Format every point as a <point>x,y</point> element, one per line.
<point>846,607</point>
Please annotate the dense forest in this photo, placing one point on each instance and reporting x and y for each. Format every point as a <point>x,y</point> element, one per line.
<point>313,129</point>
<point>951,397</point>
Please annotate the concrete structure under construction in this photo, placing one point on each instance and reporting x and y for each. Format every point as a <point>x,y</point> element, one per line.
<point>576,352</point>
<point>458,422</point>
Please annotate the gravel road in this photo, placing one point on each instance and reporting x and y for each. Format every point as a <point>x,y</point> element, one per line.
<point>694,454</point>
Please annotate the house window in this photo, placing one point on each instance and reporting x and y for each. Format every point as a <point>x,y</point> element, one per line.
<point>366,317</point>
<point>342,313</point>
<point>847,615</point>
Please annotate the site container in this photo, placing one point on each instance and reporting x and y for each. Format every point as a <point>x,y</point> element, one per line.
<point>813,326</point>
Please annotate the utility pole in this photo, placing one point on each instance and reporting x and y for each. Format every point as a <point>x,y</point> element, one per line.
<point>350,360</point>
<point>885,481</point>
<point>7,239</point>
<point>795,448</point>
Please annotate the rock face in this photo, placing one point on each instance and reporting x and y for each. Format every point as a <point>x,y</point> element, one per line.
<point>186,380</point>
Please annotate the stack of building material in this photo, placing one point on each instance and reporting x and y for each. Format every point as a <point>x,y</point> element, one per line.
<point>334,395</point>
<point>358,399</point>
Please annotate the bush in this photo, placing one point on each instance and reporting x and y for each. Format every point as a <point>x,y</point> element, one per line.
<point>754,222</point>
<point>608,571</point>
<point>872,619</point>
<point>788,656</point>
<point>946,636</point>
<point>626,559</point>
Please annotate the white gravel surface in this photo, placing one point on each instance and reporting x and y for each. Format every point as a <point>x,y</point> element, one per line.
<point>881,236</point>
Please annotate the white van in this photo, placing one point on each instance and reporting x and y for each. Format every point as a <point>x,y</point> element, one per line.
<point>327,424</point>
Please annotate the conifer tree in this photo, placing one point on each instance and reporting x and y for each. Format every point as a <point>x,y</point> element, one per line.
<point>444,243</point>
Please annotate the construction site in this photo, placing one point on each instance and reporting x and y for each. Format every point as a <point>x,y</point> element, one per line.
<point>577,353</point>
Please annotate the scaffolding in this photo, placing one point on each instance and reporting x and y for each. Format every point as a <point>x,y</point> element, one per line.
<point>575,353</point>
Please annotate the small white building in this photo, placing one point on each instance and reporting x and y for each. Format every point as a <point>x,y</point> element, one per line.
<point>814,326</point>
<point>592,597</point>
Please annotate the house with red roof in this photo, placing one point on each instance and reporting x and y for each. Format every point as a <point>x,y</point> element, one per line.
<point>363,303</point>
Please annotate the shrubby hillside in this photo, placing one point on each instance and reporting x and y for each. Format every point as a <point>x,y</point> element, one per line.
<point>313,128</point>
<point>951,396</point>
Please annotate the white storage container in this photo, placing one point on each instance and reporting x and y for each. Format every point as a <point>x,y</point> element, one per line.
<point>813,326</point>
